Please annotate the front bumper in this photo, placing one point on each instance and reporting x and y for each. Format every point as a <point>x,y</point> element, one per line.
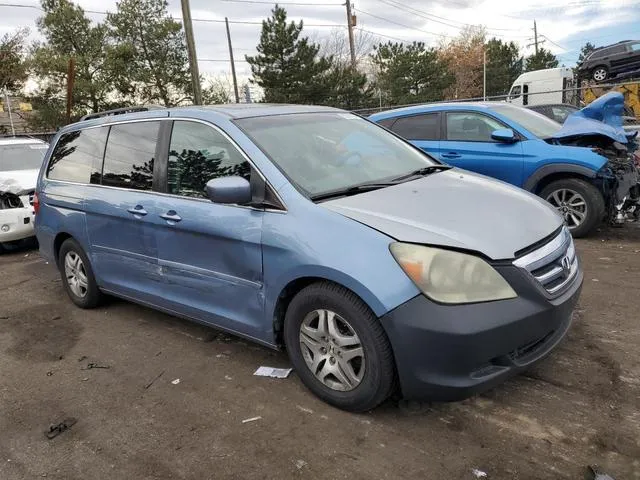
<point>450,352</point>
<point>16,223</point>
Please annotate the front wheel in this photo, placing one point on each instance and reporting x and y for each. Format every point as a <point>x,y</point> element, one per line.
<point>580,204</point>
<point>338,347</point>
<point>600,74</point>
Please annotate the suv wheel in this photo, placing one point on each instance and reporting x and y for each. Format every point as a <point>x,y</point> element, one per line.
<point>580,204</point>
<point>338,347</point>
<point>77,275</point>
<point>600,73</point>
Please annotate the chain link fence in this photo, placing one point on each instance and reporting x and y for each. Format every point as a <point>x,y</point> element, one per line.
<point>577,96</point>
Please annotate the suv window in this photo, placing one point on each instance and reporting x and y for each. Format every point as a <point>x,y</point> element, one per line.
<point>616,50</point>
<point>77,156</point>
<point>197,154</point>
<point>515,91</point>
<point>129,157</point>
<point>418,127</point>
<point>471,127</point>
<point>634,47</point>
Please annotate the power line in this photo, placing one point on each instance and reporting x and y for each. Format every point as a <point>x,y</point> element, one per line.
<point>438,19</point>
<point>257,2</point>
<point>202,20</point>
<point>382,35</point>
<point>396,23</point>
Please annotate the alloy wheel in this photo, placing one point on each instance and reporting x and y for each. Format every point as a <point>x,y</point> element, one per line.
<point>570,204</point>
<point>75,274</point>
<point>599,74</point>
<point>332,350</point>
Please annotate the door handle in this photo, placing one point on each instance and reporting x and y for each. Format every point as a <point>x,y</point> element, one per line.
<point>451,155</point>
<point>171,216</point>
<point>137,210</point>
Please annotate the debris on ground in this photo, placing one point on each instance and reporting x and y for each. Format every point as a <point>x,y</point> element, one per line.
<point>273,372</point>
<point>176,381</point>
<point>227,377</point>
<point>57,429</point>
<point>153,381</point>
<point>302,409</point>
<point>252,419</point>
<point>82,358</point>
<point>596,474</point>
<point>479,473</point>
<point>300,464</point>
<point>92,365</point>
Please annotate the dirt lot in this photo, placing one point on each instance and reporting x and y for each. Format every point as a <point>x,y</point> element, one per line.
<point>579,407</point>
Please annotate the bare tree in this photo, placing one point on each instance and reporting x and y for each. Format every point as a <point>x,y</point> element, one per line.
<point>336,44</point>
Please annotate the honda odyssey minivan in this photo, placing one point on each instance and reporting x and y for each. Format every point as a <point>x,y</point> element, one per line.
<point>378,268</point>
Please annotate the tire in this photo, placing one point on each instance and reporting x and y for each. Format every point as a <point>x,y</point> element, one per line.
<point>600,73</point>
<point>92,295</point>
<point>565,195</point>
<point>375,368</point>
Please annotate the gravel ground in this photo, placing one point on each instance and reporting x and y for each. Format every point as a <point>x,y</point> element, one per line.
<point>578,407</point>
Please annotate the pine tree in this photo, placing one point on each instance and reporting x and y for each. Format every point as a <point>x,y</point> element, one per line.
<point>288,67</point>
<point>410,73</point>
<point>542,60</point>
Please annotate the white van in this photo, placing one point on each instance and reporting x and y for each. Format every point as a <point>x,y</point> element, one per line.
<point>552,85</point>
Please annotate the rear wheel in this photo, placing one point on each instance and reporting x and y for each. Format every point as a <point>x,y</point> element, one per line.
<point>580,204</point>
<point>77,275</point>
<point>600,73</point>
<point>338,347</point>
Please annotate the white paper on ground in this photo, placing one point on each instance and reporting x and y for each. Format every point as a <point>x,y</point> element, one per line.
<point>272,372</point>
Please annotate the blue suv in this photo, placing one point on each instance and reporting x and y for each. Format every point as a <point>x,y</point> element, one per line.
<point>531,151</point>
<point>313,229</point>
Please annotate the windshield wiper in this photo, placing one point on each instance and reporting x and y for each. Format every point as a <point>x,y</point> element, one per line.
<point>345,192</point>
<point>421,172</point>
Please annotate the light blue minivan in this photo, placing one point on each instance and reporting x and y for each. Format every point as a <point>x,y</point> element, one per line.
<point>378,268</point>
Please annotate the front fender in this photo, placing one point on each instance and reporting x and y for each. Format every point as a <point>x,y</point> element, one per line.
<point>550,169</point>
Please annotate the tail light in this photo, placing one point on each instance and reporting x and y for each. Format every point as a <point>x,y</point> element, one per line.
<point>36,203</point>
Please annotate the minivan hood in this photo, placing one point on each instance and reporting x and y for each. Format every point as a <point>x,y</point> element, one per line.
<point>18,181</point>
<point>455,208</point>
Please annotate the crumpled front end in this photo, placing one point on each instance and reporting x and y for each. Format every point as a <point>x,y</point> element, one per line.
<point>16,212</point>
<point>599,127</point>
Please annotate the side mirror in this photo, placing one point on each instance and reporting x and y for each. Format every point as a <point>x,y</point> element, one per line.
<point>504,135</point>
<point>229,190</point>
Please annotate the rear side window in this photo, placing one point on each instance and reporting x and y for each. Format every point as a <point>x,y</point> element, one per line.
<point>616,50</point>
<point>635,47</point>
<point>418,127</point>
<point>130,155</point>
<point>387,122</point>
<point>77,156</point>
<point>197,154</point>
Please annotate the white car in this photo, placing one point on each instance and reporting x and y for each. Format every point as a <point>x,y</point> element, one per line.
<point>20,161</point>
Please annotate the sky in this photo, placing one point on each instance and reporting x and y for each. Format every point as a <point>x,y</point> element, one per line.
<point>563,26</point>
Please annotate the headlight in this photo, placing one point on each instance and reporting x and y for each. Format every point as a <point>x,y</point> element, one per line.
<point>451,277</point>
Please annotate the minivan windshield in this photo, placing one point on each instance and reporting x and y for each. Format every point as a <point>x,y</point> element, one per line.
<point>22,156</point>
<point>330,151</point>
<point>536,123</point>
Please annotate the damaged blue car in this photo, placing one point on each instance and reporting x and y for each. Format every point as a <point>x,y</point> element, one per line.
<point>584,168</point>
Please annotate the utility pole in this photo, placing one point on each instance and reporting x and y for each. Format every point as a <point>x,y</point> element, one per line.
<point>350,25</point>
<point>233,65</point>
<point>535,36</point>
<point>8,100</point>
<point>191,51</point>
<point>71,76</point>
<point>484,72</point>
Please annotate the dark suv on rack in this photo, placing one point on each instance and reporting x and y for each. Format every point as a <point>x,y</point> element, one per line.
<point>606,62</point>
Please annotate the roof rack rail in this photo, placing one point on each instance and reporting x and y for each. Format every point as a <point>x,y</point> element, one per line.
<point>120,111</point>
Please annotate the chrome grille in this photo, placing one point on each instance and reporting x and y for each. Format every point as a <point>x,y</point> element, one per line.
<point>554,265</point>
